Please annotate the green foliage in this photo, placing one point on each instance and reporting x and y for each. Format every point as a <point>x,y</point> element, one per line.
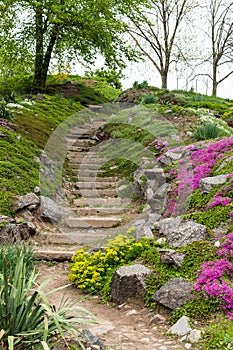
<point>206,131</point>
<point>199,308</point>
<point>195,254</point>
<point>148,99</point>
<point>111,76</point>
<point>11,253</point>
<point>218,335</point>
<point>212,217</point>
<point>93,272</point>
<point>5,113</point>
<point>139,86</point>
<point>25,313</point>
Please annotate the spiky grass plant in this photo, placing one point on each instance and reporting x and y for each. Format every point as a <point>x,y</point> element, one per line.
<point>27,320</point>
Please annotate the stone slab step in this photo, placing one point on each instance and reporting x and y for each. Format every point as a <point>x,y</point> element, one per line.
<point>97,179</point>
<point>93,222</point>
<point>102,192</point>
<point>100,211</point>
<point>84,166</point>
<point>54,255</point>
<point>95,185</point>
<point>87,237</point>
<point>74,148</point>
<point>98,202</point>
<point>90,172</point>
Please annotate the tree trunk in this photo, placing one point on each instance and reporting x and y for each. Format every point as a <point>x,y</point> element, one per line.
<point>214,81</point>
<point>39,45</point>
<point>164,75</point>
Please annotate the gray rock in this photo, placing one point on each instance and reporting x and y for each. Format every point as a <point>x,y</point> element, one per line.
<point>29,200</point>
<point>158,319</point>
<point>171,257</point>
<point>143,232</point>
<point>174,293</point>
<point>179,234</point>
<point>181,327</point>
<point>17,232</point>
<point>37,190</point>
<point>129,282</point>
<point>208,183</point>
<point>49,210</point>
<point>170,157</point>
<point>194,336</point>
<point>6,219</point>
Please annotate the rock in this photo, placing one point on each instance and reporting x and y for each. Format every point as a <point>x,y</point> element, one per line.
<point>129,282</point>
<point>6,219</point>
<point>49,210</point>
<point>158,319</point>
<point>208,183</point>
<point>17,232</point>
<point>181,327</point>
<point>30,201</point>
<point>170,157</point>
<point>39,97</point>
<point>171,257</point>
<point>143,232</point>
<point>131,313</point>
<point>194,336</point>
<point>188,346</point>
<point>178,233</point>
<point>3,135</point>
<point>37,190</point>
<point>91,340</point>
<point>161,241</point>
<point>174,293</point>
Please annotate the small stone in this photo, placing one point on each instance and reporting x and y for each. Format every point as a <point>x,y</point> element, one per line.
<point>194,336</point>
<point>181,327</point>
<point>161,241</point>
<point>131,313</point>
<point>188,346</point>
<point>158,319</point>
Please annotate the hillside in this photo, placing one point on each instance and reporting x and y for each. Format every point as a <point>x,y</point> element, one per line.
<point>184,137</point>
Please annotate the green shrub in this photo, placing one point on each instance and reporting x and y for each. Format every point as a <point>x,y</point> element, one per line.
<point>93,272</point>
<point>206,131</point>
<point>140,86</point>
<point>218,335</point>
<point>148,99</point>
<point>26,316</point>
<point>5,113</point>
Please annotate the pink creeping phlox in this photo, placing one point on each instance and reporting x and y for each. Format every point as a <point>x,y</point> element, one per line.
<point>192,169</point>
<point>215,278</point>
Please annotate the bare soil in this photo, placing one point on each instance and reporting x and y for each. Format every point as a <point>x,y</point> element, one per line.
<point>124,327</point>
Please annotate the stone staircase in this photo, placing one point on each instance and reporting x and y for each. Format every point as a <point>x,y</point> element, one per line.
<point>93,209</point>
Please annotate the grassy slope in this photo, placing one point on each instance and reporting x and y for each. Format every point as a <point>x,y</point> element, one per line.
<point>19,170</point>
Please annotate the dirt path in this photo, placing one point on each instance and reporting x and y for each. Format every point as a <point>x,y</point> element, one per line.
<point>124,328</point>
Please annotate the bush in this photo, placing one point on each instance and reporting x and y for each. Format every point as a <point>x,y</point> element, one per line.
<point>148,99</point>
<point>26,317</point>
<point>206,131</point>
<point>140,86</point>
<point>93,272</point>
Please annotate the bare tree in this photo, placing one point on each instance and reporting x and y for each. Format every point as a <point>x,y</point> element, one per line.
<point>154,28</point>
<point>221,26</point>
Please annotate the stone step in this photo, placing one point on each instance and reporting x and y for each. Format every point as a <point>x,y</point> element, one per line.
<point>97,179</point>
<point>104,192</point>
<point>76,238</point>
<point>95,185</point>
<point>79,157</point>
<point>74,148</point>
<point>84,166</point>
<point>89,173</point>
<point>98,202</point>
<point>54,255</point>
<point>100,211</point>
<point>93,222</point>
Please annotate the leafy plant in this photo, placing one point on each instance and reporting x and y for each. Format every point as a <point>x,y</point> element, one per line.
<point>148,99</point>
<point>140,86</point>
<point>26,317</point>
<point>206,131</point>
<point>218,335</point>
<point>5,113</point>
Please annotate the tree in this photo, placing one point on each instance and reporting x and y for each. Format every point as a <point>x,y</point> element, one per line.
<point>221,27</point>
<point>154,28</point>
<point>82,29</point>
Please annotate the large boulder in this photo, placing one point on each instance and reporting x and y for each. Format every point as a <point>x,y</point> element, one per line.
<point>129,283</point>
<point>178,233</point>
<point>49,210</point>
<point>208,183</point>
<point>174,293</point>
<point>29,200</point>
